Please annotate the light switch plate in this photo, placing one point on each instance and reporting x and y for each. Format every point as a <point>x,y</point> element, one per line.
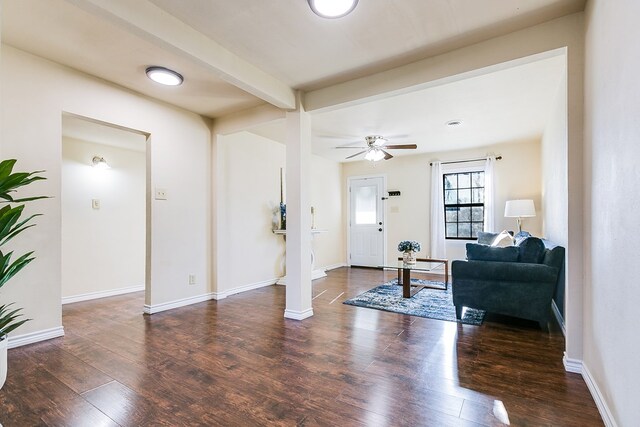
<point>161,194</point>
<point>95,203</point>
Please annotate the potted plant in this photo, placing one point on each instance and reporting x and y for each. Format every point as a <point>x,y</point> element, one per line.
<point>12,224</point>
<point>409,249</point>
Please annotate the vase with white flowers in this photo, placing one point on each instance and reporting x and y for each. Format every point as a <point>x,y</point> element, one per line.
<point>409,248</point>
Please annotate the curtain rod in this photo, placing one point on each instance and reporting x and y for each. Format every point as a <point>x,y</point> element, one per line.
<point>465,161</point>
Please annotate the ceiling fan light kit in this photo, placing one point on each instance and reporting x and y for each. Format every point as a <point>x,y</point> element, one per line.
<point>376,148</point>
<point>332,8</point>
<point>374,155</point>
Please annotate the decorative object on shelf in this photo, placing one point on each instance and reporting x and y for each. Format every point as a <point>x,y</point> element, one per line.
<point>409,249</point>
<point>283,205</point>
<point>519,209</point>
<point>283,216</point>
<point>10,226</point>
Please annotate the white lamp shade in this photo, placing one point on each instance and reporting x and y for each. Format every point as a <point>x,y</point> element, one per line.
<point>519,208</point>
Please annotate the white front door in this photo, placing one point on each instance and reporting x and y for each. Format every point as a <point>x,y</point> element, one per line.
<point>366,222</point>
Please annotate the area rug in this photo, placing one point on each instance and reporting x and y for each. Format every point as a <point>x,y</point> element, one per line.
<point>430,303</point>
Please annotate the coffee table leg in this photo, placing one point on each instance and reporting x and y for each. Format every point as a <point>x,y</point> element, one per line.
<point>406,282</point>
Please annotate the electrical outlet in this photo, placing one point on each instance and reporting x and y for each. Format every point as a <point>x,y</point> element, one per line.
<point>95,203</point>
<point>161,194</point>
<point>192,279</point>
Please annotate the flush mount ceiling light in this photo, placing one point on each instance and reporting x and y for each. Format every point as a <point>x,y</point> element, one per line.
<point>164,76</point>
<point>332,8</point>
<point>99,162</point>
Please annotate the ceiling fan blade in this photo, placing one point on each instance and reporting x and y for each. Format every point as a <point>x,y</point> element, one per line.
<point>342,146</point>
<point>357,154</point>
<point>401,146</point>
<point>387,156</point>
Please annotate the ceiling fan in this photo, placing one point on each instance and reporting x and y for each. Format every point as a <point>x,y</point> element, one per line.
<point>376,148</point>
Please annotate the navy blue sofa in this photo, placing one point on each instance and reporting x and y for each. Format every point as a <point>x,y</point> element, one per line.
<point>517,281</point>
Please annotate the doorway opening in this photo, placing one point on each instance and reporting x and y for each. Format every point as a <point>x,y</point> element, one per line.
<point>104,210</point>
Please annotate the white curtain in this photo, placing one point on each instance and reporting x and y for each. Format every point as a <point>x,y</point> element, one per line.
<point>489,191</point>
<point>437,212</point>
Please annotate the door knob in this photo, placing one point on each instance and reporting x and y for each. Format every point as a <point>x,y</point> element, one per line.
<point>380,223</point>
<point>379,229</point>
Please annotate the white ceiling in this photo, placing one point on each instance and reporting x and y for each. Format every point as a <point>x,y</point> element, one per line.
<point>283,45</point>
<point>63,33</point>
<point>511,105</point>
<point>286,39</point>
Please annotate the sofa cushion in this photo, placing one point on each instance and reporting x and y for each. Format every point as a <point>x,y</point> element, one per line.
<point>503,239</point>
<point>502,271</point>
<point>519,237</point>
<point>531,250</point>
<point>478,252</point>
<point>486,237</point>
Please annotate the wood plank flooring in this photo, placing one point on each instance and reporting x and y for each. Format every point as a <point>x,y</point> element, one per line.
<point>238,362</point>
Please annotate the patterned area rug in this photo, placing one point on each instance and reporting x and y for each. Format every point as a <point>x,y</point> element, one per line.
<point>430,303</point>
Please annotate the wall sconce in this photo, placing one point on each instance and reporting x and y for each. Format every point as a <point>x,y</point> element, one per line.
<point>99,162</point>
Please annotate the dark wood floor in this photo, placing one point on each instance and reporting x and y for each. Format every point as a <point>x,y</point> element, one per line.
<point>238,362</point>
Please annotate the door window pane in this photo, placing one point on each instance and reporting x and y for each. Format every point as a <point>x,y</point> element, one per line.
<point>365,205</point>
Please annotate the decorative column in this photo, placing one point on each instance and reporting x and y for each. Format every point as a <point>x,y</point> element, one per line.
<point>298,164</point>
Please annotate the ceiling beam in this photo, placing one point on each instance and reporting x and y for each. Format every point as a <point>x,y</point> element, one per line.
<point>159,27</point>
<point>247,119</point>
<point>519,47</point>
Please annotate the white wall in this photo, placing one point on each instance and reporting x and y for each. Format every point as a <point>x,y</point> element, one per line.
<point>408,216</point>
<point>102,249</point>
<point>248,168</point>
<point>555,196</point>
<point>612,175</point>
<point>35,94</point>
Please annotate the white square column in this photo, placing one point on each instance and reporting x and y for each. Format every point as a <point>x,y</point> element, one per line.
<point>298,177</point>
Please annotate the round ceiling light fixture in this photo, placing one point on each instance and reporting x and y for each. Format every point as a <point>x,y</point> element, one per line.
<point>332,8</point>
<point>164,76</point>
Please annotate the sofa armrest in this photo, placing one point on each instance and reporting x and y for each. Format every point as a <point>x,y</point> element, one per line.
<point>503,271</point>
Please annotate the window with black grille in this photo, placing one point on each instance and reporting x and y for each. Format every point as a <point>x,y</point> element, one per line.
<point>463,204</point>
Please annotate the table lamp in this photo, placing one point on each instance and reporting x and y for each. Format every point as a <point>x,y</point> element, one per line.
<point>519,209</point>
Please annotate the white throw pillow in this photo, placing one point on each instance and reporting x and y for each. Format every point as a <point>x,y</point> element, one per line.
<point>503,239</point>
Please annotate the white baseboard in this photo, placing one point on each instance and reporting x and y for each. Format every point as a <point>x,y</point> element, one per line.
<point>101,294</point>
<point>559,318</point>
<point>157,308</point>
<point>298,315</point>
<point>572,365</point>
<point>244,288</point>
<point>603,408</point>
<point>318,273</point>
<point>34,337</point>
<point>334,266</point>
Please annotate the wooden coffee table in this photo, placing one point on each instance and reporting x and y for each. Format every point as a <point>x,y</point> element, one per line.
<point>422,265</point>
